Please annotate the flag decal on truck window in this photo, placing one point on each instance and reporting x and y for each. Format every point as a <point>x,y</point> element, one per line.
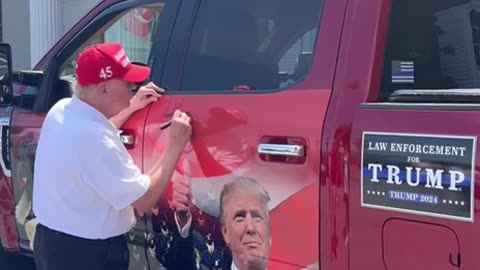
<point>422,174</point>
<point>403,72</point>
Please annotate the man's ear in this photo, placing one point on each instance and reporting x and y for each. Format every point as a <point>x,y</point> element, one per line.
<point>226,237</point>
<point>270,233</point>
<point>102,88</point>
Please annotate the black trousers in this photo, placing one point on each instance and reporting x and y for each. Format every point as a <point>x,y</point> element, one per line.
<point>55,250</point>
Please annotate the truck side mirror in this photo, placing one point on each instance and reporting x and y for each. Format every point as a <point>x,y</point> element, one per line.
<point>29,82</point>
<point>5,64</point>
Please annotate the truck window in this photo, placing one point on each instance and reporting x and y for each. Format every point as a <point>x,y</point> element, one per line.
<point>295,63</point>
<point>134,30</point>
<point>260,45</point>
<point>432,45</point>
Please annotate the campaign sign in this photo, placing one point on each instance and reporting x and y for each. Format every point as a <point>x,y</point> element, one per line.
<point>421,174</point>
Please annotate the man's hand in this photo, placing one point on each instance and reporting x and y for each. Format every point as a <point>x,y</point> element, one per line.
<point>180,131</point>
<point>181,200</point>
<point>161,173</point>
<point>145,95</point>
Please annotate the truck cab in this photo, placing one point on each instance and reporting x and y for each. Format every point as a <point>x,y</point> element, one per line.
<point>358,118</point>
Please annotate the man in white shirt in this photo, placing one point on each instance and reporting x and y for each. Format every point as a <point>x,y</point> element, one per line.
<point>244,218</point>
<point>86,184</point>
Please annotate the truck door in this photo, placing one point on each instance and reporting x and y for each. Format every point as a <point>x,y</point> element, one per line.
<point>256,77</point>
<point>137,24</point>
<point>413,187</point>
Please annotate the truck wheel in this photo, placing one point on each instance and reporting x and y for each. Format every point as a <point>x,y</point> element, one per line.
<point>12,261</point>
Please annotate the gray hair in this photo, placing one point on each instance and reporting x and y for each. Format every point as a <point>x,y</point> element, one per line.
<point>80,90</point>
<point>245,183</point>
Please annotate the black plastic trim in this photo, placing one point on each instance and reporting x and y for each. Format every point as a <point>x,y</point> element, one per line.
<point>420,106</point>
<point>436,96</point>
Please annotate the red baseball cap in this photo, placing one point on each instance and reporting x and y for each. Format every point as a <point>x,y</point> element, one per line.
<point>107,61</point>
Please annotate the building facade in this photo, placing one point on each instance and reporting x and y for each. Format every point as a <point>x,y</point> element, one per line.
<point>31,27</point>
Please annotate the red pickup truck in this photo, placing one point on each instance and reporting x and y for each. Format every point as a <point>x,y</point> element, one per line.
<point>360,118</point>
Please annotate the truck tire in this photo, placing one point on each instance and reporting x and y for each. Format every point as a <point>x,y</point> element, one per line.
<point>12,261</point>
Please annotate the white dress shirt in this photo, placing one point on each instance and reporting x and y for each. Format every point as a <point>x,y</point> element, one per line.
<point>84,179</point>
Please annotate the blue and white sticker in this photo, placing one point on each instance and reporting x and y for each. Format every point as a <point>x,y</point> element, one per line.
<point>403,72</point>
<point>422,174</point>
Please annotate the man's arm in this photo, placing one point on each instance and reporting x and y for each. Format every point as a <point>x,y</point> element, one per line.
<point>179,134</point>
<point>120,119</point>
<point>145,95</point>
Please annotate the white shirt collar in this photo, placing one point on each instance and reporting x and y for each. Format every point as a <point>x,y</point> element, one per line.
<point>90,112</point>
<point>234,267</point>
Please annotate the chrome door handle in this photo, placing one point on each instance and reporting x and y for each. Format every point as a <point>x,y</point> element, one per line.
<point>127,139</point>
<point>281,149</point>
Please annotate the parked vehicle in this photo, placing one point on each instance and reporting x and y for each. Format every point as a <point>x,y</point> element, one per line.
<point>360,118</point>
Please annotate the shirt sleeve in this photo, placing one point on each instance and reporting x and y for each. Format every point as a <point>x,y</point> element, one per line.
<point>112,174</point>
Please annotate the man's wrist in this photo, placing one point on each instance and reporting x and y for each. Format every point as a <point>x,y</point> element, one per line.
<point>174,151</point>
<point>130,110</point>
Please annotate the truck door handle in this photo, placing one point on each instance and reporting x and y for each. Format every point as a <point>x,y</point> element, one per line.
<point>127,136</point>
<point>127,139</point>
<point>290,150</point>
